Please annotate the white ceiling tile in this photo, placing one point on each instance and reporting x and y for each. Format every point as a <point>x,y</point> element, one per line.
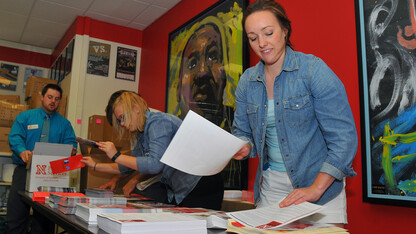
<point>11,25</point>
<point>106,18</point>
<point>42,40</point>
<point>78,4</point>
<point>145,1</point>
<point>150,15</point>
<point>137,26</point>
<point>49,19</point>
<point>55,12</point>
<point>21,7</point>
<point>46,27</point>
<point>123,9</point>
<point>166,3</point>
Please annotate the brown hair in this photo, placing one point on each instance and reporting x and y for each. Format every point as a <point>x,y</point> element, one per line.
<point>276,9</point>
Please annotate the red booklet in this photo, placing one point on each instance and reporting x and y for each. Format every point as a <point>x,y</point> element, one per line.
<point>66,164</point>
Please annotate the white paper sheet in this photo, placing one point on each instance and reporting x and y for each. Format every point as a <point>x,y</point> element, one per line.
<point>274,217</point>
<point>201,147</point>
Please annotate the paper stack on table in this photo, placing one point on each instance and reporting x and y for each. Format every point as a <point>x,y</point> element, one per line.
<point>151,223</point>
<point>88,212</point>
<point>274,217</point>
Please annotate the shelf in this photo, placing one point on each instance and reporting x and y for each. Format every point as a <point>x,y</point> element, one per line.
<point>5,183</point>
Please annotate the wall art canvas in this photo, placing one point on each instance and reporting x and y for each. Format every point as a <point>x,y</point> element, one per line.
<point>387,43</point>
<point>207,55</point>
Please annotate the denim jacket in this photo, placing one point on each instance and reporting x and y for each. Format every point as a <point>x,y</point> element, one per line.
<point>159,129</point>
<point>315,125</point>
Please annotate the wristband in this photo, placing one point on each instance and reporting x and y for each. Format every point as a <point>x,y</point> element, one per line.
<point>95,166</point>
<point>115,156</point>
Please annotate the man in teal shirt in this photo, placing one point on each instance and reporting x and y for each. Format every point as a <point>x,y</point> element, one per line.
<point>25,132</point>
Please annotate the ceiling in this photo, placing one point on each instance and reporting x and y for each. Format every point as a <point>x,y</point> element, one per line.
<point>43,23</point>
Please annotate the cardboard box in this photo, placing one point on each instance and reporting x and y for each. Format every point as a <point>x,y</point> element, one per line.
<point>36,102</point>
<point>91,178</point>
<point>99,129</point>
<point>40,173</point>
<point>94,179</point>
<point>10,98</point>
<point>4,140</point>
<point>35,85</point>
<point>9,111</point>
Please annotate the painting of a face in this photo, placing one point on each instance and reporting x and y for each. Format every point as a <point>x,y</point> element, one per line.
<point>202,73</point>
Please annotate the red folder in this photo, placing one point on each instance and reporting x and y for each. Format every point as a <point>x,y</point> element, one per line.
<point>66,164</point>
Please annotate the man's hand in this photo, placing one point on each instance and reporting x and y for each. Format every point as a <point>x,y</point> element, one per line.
<point>25,155</point>
<point>74,151</point>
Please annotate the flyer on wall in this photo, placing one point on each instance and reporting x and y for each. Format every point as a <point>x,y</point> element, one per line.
<point>126,64</point>
<point>98,58</point>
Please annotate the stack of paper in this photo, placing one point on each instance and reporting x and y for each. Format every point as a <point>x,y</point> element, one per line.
<point>88,212</point>
<point>98,193</point>
<point>215,219</point>
<point>295,227</point>
<point>67,204</point>
<point>274,217</point>
<point>151,223</point>
<point>55,198</point>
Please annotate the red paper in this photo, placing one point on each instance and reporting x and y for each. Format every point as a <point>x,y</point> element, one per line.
<point>66,164</point>
<point>40,196</point>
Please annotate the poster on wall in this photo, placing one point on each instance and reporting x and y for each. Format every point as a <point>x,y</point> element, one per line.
<point>205,62</point>
<point>388,100</point>
<point>69,52</point>
<point>126,64</point>
<point>31,72</point>
<point>8,76</point>
<point>98,58</point>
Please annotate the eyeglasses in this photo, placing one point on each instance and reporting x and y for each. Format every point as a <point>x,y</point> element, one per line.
<point>122,119</point>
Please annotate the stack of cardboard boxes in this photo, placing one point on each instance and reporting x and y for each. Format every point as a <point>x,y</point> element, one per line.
<point>10,107</point>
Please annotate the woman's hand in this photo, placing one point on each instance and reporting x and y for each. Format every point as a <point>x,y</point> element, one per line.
<point>88,161</point>
<point>298,196</point>
<point>243,152</point>
<point>111,184</point>
<point>129,187</point>
<point>108,147</point>
<point>311,193</point>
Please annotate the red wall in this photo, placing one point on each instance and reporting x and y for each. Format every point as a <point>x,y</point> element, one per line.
<point>325,28</point>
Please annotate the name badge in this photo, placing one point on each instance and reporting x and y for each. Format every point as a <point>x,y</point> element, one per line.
<point>33,126</point>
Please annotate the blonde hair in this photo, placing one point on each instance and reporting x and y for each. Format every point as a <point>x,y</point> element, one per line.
<point>129,100</point>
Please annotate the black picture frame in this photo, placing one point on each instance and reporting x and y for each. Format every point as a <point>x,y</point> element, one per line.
<point>228,58</point>
<point>386,63</point>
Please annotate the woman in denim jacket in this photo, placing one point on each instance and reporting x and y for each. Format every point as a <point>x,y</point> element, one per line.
<point>294,112</point>
<point>152,132</point>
